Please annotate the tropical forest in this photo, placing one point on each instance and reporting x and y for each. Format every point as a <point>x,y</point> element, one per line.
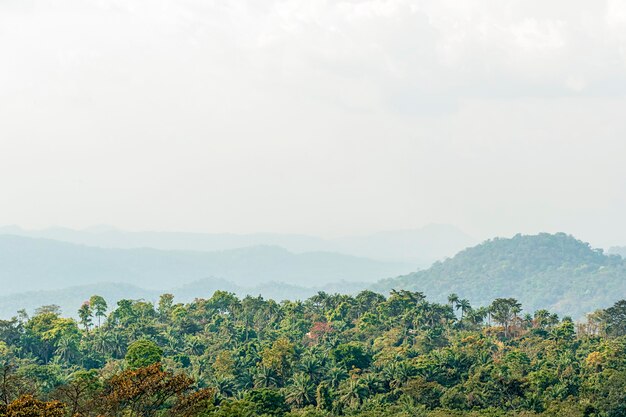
<point>329,355</point>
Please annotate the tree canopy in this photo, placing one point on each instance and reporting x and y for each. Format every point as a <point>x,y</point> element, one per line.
<point>329,355</point>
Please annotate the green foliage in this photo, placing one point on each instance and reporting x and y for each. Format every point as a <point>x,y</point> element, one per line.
<point>351,356</point>
<point>143,353</point>
<point>331,355</point>
<point>267,401</point>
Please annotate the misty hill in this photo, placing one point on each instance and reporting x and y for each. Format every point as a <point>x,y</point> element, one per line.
<point>553,271</point>
<point>42,264</point>
<point>421,247</point>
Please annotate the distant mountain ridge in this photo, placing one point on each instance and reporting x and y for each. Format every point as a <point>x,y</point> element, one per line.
<point>420,247</point>
<point>554,271</point>
<point>43,264</point>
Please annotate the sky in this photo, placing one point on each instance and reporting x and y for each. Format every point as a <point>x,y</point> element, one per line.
<point>321,117</point>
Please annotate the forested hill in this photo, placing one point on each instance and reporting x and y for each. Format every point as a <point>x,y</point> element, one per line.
<point>554,271</point>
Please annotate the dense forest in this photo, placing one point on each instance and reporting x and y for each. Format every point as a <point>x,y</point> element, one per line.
<point>330,355</point>
<point>549,271</point>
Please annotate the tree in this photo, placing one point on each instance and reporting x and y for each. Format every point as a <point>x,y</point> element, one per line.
<point>279,356</point>
<point>300,391</point>
<point>311,366</point>
<point>79,392</point>
<point>29,406</point>
<point>323,397</point>
<point>99,306</point>
<point>85,314</point>
<point>67,349</point>
<point>48,309</point>
<point>267,401</point>
<point>334,376</point>
<point>352,393</point>
<point>503,311</point>
<point>43,332</point>
<point>145,392</point>
<point>453,299</point>
<point>351,355</point>
<point>12,384</point>
<point>465,307</point>
<point>615,319</point>
<point>399,357</point>
<point>143,353</point>
<point>166,302</point>
<point>265,378</point>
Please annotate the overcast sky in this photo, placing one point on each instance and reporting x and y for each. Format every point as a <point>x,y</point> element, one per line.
<point>319,117</point>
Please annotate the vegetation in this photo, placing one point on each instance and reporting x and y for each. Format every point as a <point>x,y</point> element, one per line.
<point>331,355</point>
<point>545,271</point>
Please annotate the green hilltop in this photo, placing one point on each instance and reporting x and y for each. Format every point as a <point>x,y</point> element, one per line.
<point>554,271</point>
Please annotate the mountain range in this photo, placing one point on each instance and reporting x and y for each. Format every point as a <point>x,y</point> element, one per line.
<point>419,247</point>
<point>44,264</point>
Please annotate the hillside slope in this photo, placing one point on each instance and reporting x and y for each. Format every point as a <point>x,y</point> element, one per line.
<point>553,271</point>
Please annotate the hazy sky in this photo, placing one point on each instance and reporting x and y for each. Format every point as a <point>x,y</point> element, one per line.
<point>320,117</point>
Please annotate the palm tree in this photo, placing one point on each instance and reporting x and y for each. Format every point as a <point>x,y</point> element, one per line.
<point>335,375</point>
<point>265,378</point>
<point>465,306</point>
<point>194,346</point>
<point>301,390</point>
<point>371,382</point>
<point>102,342</point>
<point>245,379</point>
<point>477,316</point>
<point>352,393</point>
<point>453,299</point>
<point>66,349</point>
<point>311,366</point>
<point>224,386</point>
<point>118,345</point>
<point>397,374</point>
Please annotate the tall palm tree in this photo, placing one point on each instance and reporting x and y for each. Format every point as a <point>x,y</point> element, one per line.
<point>453,299</point>
<point>465,306</point>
